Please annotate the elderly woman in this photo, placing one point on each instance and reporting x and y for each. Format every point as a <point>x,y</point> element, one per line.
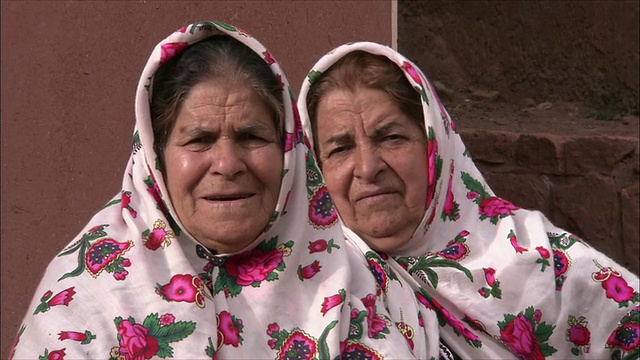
<point>504,281</point>
<point>223,242</point>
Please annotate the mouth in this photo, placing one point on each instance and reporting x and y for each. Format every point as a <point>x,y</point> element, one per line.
<point>373,193</point>
<point>230,197</point>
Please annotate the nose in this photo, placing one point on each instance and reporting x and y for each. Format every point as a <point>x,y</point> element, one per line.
<point>227,158</point>
<point>368,163</point>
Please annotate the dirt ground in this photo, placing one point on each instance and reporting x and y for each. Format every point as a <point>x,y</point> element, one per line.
<point>566,67</point>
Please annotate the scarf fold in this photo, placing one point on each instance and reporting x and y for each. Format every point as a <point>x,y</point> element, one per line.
<point>504,281</point>
<point>134,284</point>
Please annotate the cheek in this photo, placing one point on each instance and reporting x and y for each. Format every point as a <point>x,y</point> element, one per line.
<point>416,177</point>
<point>268,166</point>
<point>183,170</point>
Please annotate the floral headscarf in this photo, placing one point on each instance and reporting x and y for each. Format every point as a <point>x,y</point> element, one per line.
<point>135,285</point>
<point>504,281</point>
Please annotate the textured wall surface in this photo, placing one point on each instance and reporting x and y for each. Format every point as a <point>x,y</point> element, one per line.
<point>69,73</point>
<point>545,50</point>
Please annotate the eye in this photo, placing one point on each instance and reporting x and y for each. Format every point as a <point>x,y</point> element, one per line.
<point>251,137</point>
<point>198,143</point>
<point>337,151</point>
<point>392,137</point>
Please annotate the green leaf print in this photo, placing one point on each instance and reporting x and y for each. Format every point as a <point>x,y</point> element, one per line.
<point>323,348</point>
<point>174,332</point>
<point>433,277</point>
<point>544,331</point>
<point>152,323</point>
<point>474,185</point>
<point>221,24</point>
<point>435,261</point>
<point>313,76</point>
<point>164,350</point>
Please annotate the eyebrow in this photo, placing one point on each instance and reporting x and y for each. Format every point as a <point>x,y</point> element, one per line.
<point>339,139</point>
<point>386,128</point>
<point>243,128</point>
<point>347,137</point>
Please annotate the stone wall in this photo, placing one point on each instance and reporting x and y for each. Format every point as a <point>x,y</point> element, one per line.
<point>586,184</point>
<point>524,80</point>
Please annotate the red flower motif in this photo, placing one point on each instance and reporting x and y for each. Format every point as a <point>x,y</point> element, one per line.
<point>455,251</point>
<point>412,72</point>
<point>125,201</point>
<point>317,246</point>
<point>321,210</point>
<point>489,275</point>
<point>182,287</point>
<point>56,354</point>
<point>376,324</point>
<point>253,266</point>
<point>229,329</point>
<point>154,191</point>
<point>268,57</point>
<point>135,342</point>
<point>170,50</point>
<point>167,319</point>
<point>423,300</point>
<point>83,338</point>
<point>518,335</point>
<point>537,316</point>
<point>332,301</point>
<point>156,239</point>
<point>514,242</point>
<point>432,154</point>
<point>493,206</point>
<point>579,335</point>
<point>625,336</point>
<point>309,271</point>
<point>64,297</point>
<point>614,284</point>
<point>544,253</point>
<point>450,207</point>
<point>272,329</point>
<point>272,343</point>
<point>471,195</point>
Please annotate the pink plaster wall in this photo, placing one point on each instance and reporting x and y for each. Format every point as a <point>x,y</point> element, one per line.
<point>69,72</point>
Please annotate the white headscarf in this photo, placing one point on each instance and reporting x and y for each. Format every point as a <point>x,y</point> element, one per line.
<point>135,285</point>
<point>504,281</point>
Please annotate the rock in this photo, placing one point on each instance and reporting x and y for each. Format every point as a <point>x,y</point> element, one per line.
<point>544,106</point>
<point>527,103</point>
<point>442,90</point>
<point>491,95</point>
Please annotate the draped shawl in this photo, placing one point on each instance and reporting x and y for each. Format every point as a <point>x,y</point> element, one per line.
<point>504,281</point>
<point>134,284</point>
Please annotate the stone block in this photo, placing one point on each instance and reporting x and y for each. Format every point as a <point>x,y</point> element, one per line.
<point>599,154</point>
<point>490,147</point>
<point>590,207</point>
<point>540,153</point>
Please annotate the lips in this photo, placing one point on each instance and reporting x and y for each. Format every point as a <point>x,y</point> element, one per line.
<point>227,197</point>
<point>371,193</point>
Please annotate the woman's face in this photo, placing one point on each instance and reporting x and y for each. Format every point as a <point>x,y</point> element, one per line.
<point>374,160</point>
<point>224,165</point>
